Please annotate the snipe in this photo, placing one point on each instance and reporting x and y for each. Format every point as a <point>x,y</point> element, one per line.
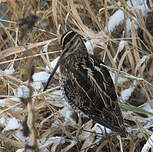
<point>87,85</point>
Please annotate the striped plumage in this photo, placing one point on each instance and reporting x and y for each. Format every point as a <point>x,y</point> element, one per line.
<point>87,84</point>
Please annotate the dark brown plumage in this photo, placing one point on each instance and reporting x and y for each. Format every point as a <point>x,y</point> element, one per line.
<point>87,85</point>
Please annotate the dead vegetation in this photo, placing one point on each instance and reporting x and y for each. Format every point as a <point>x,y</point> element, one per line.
<point>29,40</point>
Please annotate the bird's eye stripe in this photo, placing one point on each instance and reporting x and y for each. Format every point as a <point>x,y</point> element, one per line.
<point>66,38</point>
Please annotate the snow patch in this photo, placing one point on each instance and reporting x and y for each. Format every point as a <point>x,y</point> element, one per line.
<point>57,94</point>
<point>53,64</point>
<point>2,121</point>
<point>20,135</point>
<point>20,150</point>
<point>120,48</point>
<point>37,86</point>
<point>116,19</point>
<point>12,124</point>
<point>125,94</point>
<point>147,107</point>
<point>10,70</point>
<point>2,102</point>
<point>89,45</point>
<point>40,76</point>
<point>45,48</point>
<point>15,99</point>
<point>99,129</point>
<point>120,79</point>
<point>67,114</point>
<point>23,91</point>
<point>52,140</point>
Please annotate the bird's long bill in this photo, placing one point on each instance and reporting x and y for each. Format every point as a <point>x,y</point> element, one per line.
<point>54,70</point>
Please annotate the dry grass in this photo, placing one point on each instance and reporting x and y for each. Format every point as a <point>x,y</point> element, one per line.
<point>23,47</point>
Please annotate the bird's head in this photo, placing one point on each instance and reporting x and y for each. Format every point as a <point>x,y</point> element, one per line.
<point>70,43</point>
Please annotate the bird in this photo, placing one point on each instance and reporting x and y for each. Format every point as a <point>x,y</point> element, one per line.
<point>86,84</point>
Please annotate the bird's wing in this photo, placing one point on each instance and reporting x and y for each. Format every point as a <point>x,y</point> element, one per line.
<point>96,84</point>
